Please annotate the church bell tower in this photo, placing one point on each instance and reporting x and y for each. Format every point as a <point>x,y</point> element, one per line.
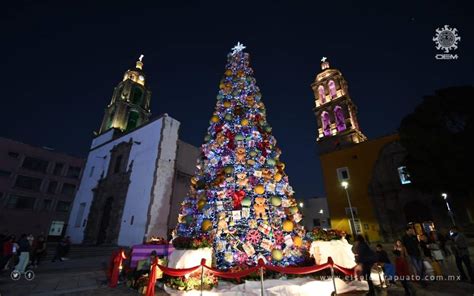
<point>335,112</point>
<point>130,104</point>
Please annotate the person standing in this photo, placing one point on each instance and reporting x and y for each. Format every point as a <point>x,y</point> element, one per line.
<point>59,251</point>
<point>7,253</point>
<point>39,250</point>
<point>24,251</point>
<point>66,247</point>
<point>461,253</point>
<point>365,259</point>
<point>413,250</point>
<point>401,267</point>
<point>384,261</point>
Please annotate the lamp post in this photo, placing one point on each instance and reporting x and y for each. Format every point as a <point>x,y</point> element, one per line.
<point>450,212</point>
<point>345,184</point>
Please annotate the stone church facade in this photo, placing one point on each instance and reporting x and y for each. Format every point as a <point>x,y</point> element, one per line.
<point>136,174</point>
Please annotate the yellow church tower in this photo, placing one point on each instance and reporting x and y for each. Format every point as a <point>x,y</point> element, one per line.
<point>335,112</point>
<point>347,157</point>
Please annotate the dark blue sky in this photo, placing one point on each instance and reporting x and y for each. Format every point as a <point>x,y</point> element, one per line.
<point>61,61</point>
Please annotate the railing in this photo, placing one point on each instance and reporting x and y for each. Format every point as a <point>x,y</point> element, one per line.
<point>260,267</point>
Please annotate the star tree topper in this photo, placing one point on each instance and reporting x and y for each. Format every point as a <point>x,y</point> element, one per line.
<point>238,48</point>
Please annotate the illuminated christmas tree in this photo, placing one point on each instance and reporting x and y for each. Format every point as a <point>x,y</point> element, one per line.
<point>240,196</point>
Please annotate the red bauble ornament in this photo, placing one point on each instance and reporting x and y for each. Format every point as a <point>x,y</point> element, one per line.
<point>237,198</point>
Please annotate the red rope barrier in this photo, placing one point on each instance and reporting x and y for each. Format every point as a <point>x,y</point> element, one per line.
<point>176,271</point>
<point>298,270</point>
<point>242,273</point>
<point>234,274</point>
<point>346,271</point>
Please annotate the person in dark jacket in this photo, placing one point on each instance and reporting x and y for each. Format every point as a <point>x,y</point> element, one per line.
<point>461,252</point>
<point>413,250</point>
<point>24,251</point>
<point>61,249</point>
<point>39,250</point>
<point>365,259</point>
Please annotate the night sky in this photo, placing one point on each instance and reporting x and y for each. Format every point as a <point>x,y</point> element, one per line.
<point>61,61</point>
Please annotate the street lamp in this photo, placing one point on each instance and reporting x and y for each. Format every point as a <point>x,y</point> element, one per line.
<point>445,197</point>
<point>345,184</point>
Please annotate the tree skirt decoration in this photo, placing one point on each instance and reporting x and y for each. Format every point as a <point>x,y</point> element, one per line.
<point>182,259</point>
<point>339,250</point>
<point>283,287</point>
<point>189,258</point>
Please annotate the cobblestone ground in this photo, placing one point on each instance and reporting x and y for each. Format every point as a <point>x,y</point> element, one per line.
<point>87,277</point>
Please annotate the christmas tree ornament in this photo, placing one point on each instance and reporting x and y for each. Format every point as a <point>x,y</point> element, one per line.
<point>206,225</point>
<point>259,189</point>
<point>277,255</point>
<point>276,201</point>
<point>278,177</point>
<point>259,207</point>
<point>246,202</point>
<point>288,226</point>
<point>297,241</point>
<point>266,244</point>
<point>201,204</point>
<point>293,210</point>
<point>215,119</point>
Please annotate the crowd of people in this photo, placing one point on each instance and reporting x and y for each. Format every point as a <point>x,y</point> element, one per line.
<point>28,251</point>
<point>417,258</point>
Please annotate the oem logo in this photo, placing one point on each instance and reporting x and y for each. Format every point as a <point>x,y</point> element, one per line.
<point>446,39</point>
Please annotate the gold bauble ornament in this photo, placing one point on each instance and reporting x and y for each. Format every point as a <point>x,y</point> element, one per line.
<point>244,122</point>
<point>227,104</point>
<point>228,72</point>
<point>297,241</point>
<point>201,204</point>
<point>278,177</point>
<point>288,226</point>
<point>215,118</point>
<point>206,225</point>
<point>259,189</point>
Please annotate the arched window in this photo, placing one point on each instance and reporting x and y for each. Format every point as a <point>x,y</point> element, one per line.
<point>322,95</point>
<point>332,89</point>
<point>326,121</point>
<point>340,120</point>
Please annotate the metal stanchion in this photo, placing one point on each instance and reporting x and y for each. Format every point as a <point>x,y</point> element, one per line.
<point>380,277</point>
<point>261,282</point>
<point>202,277</point>
<point>333,281</point>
